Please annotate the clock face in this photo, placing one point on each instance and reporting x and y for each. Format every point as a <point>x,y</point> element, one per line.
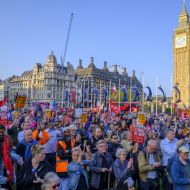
<point>180,41</point>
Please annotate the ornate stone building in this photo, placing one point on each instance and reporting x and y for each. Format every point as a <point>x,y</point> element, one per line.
<point>181,42</point>
<point>45,82</point>
<point>92,77</point>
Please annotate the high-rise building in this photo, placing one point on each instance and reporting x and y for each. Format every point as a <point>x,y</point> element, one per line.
<point>181,43</point>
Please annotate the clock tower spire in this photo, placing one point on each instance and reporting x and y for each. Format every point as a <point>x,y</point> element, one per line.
<point>181,41</point>
<point>183,17</point>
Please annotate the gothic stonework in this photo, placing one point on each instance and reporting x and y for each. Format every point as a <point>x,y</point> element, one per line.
<point>181,43</point>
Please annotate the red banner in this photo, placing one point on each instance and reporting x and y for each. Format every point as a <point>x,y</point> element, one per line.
<point>3,102</point>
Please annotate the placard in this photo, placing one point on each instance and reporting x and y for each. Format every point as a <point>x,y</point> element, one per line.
<point>141,118</point>
<point>139,134</point>
<point>83,118</point>
<point>20,101</point>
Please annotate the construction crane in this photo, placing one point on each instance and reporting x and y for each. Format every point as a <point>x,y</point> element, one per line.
<point>67,40</point>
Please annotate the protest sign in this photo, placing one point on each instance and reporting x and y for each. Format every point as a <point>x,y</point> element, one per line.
<point>139,134</point>
<point>20,101</point>
<point>83,118</point>
<point>141,118</point>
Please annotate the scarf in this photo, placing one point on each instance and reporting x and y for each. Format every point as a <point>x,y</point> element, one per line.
<point>7,161</point>
<point>28,152</point>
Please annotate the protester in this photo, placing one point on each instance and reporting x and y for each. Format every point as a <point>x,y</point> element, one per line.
<point>24,147</point>
<point>149,161</point>
<point>126,140</point>
<point>121,169</point>
<point>76,171</point>
<point>25,126</point>
<point>101,167</point>
<point>32,172</point>
<point>97,135</point>
<point>6,165</point>
<point>40,134</point>
<point>50,146</point>
<point>113,145</point>
<point>180,170</point>
<point>51,182</point>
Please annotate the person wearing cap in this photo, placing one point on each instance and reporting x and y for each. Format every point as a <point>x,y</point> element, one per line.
<point>180,170</point>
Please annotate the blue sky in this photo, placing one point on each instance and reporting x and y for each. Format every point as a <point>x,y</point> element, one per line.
<point>136,34</point>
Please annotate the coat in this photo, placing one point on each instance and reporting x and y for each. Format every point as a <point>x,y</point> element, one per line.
<point>181,175</point>
<point>74,171</point>
<point>144,166</point>
<point>96,168</point>
<point>25,175</point>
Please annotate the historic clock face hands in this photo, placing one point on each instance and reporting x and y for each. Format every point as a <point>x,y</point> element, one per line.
<point>180,41</point>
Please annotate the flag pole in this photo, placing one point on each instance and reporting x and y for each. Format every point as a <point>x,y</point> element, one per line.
<point>156,97</point>
<point>143,92</point>
<point>130,92</point>
<point>100,92</point>
<point>110,96</point>
<point>83,93</point>
<point>171,94</point>
<point>76,94</point>
<point>92,90</point>
<point>119,93</point>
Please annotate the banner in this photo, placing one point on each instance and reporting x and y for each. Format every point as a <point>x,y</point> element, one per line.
<point>139,134</point>
<point>141,118</point>
<point>20,102</point>
<point>3,102</point>
<point>83,118</point>
<point>3,118</point>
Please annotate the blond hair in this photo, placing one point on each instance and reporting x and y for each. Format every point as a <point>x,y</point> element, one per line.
<point>36,149</point>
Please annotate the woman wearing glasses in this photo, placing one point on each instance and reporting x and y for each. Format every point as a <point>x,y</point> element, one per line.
<point>51,182</point>
<point>121,168</point>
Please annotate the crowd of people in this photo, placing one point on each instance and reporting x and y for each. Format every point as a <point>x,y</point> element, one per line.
<point>63,153</point>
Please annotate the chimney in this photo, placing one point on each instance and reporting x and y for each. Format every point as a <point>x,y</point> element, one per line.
<point>92,60</point>
<point>124,71</point>
<point>105,65</point>
<point>115,69</point>
<point>133,75</point>
<point>80,62</point>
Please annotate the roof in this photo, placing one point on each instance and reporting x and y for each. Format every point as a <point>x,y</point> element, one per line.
<point>27,73</point>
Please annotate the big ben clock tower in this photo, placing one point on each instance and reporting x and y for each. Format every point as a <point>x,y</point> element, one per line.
<point>182,56</point>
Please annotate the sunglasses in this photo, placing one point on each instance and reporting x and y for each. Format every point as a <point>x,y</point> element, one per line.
<point>54,186</point>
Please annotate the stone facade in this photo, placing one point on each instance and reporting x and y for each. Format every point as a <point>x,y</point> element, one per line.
<point>92,77</point>
<point>45,82</point>
<point>181,43</point>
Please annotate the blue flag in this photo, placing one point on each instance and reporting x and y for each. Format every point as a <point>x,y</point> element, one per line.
<point>137,94</point>
<point>124,90</point>
<point>149,97</point>
<point>163,93</point>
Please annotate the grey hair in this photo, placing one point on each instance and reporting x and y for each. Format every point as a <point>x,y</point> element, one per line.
<point>119,151</point>
<point>125,134</point>
<point>49,178</point>
<point>75,149</point>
